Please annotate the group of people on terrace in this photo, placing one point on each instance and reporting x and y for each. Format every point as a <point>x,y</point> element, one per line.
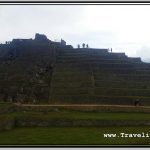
<point>87,46</point>
<point>83,45</point>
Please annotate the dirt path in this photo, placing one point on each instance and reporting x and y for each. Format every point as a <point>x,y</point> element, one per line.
<point>79,105</point>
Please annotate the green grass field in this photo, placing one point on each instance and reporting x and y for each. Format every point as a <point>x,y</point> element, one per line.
<point>72,136</point>
<point>72,127</point>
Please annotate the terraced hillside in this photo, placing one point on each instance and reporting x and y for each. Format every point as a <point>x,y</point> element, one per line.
<point>42,71</point>
<point>96,76</point>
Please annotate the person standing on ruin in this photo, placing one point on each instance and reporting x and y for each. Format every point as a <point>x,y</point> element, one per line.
<point>87,46</point>
<point>111,50</point>
<point>78,45</point>
<point>83,45</point>
<point>137,102</point>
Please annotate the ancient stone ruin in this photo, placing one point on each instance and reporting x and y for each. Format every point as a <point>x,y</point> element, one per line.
<point>43,71</point>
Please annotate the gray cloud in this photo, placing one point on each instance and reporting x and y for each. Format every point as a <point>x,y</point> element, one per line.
<point>94,39</point>
<point>24,21</point>
<point>144,53</point>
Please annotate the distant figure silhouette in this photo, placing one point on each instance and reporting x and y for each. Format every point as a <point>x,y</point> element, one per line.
<point>111,50</point>
<point>137,102</point>
<point>87,46</point>
<point>78,45</point>
<point>83,45</point>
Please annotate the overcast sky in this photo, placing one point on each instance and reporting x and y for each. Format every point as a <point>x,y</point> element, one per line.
<point>124,28</point>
